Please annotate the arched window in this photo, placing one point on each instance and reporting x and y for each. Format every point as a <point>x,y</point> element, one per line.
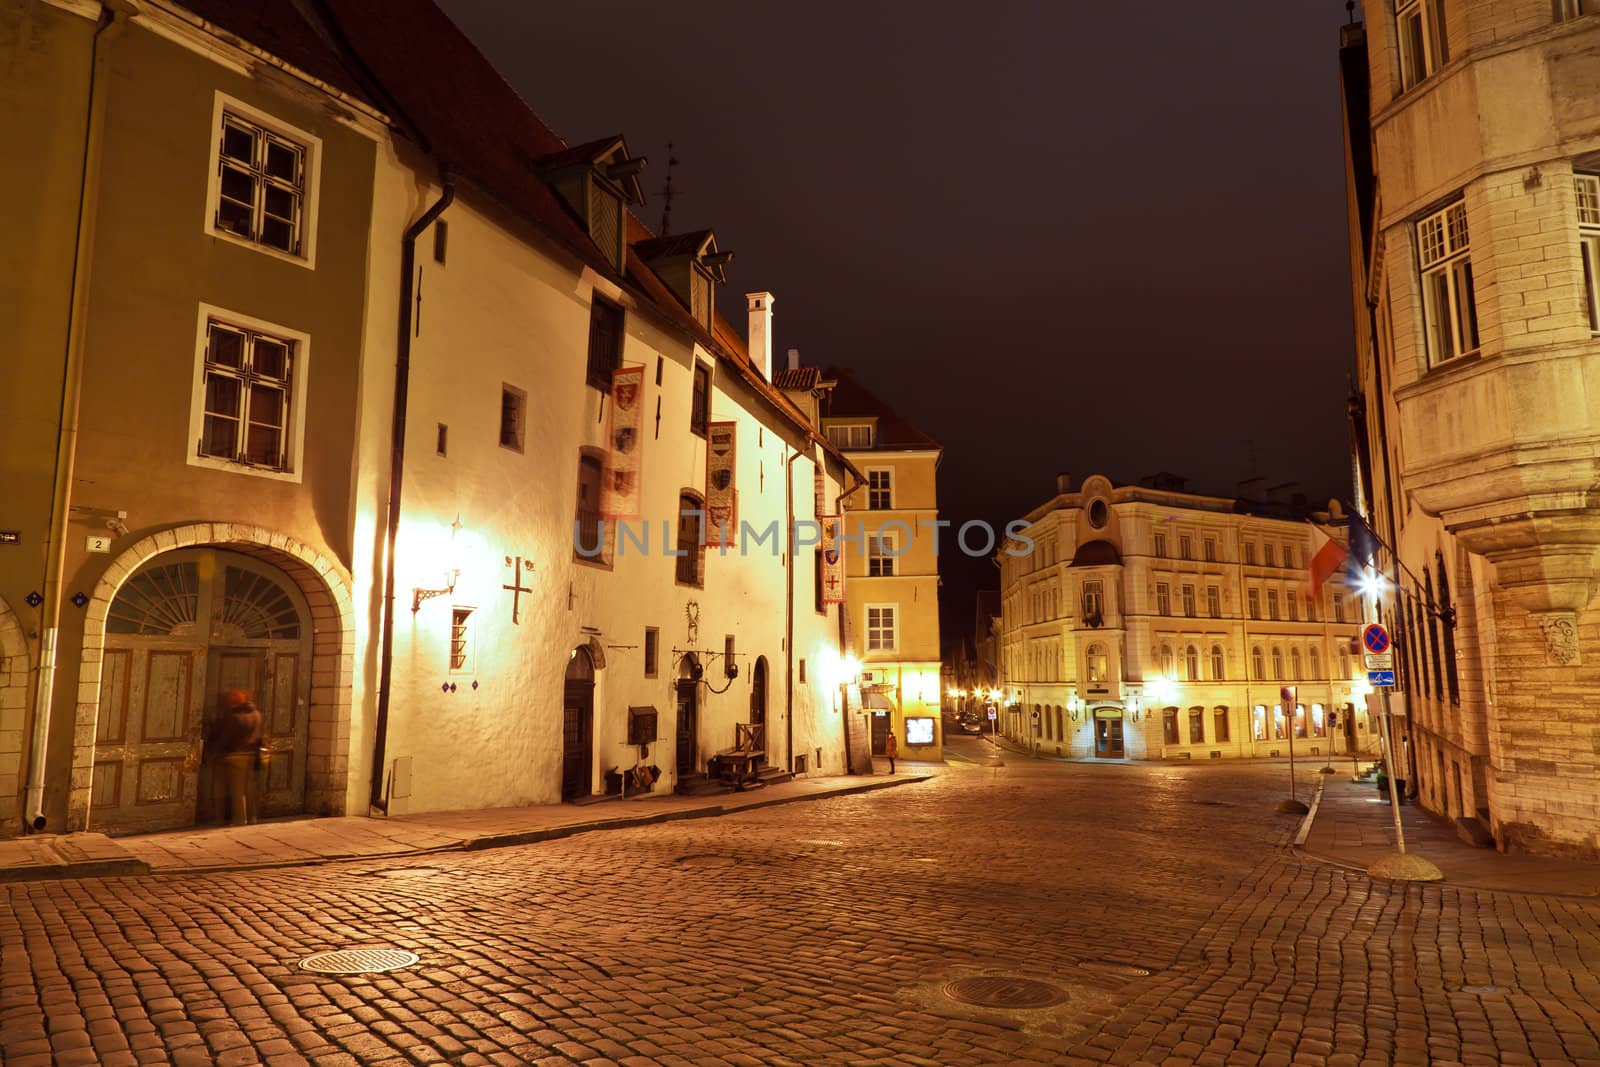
<point>587,539</point>
<point>1098,669</point>
<point>1277,664</point>
<point>1220,723</point>
<point>1294,664</point>
<point>691,540</point>
<point>1218,669</point>
<point>1166,661</point>
<point>1197,725</point>
<point>1191,663</point>
<point>1258,666</point>
<point>1316,663</point>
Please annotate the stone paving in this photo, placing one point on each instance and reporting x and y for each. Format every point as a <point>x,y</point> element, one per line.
<point>822,933</point>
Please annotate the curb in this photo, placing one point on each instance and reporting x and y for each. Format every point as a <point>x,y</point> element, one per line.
<point>131,867</point>
<point>1311,815</point>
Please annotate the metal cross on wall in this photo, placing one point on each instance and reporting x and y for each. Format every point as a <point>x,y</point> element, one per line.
<point>516,587</point>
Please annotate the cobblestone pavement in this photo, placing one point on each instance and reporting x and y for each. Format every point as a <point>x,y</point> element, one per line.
<point>823,933</point>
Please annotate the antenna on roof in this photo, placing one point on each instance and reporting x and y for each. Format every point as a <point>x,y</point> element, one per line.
<point>667,193</point>
<point>1350,10</point>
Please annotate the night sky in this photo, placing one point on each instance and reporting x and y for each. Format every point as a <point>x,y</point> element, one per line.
<point>1058,236</point>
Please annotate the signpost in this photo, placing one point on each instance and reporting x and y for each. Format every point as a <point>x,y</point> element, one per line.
<point>1379,658</point>
<point>1289,694</point>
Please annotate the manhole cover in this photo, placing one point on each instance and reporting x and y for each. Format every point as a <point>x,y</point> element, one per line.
<point>705,859</point>
<point>359,961</point>
<point>1120,970</point>
<point>405,872</point>
<point>988,991</point>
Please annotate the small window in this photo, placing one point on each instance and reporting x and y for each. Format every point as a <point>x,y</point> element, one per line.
<point>881,628</point>
<point>605,342</point>
<point>441,240</point>
<point>1161,546</point>
<point>851,436</point>
<point>880,489</point>
<point>700,401</point>
<point>1209,547</point>
<point>802,676</point>
<point>589,534</point>
<point>820,605</point>
<point>881,551</point>
<point>459,638</point>
<point>1098,514</point>
<point>730,663</point>
<point>691,549</point>
<point>513,413</point>
<point>652,649</point>
<point>441,441</point>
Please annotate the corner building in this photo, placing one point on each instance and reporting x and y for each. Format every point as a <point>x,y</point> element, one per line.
<point>1473,170</point>
<point>1146,622</point>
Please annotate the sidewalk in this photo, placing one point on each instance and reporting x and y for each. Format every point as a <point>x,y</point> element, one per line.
<point>299,841</point>
<point>1353,826</point>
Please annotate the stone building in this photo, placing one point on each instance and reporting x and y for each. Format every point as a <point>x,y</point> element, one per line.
<point>1473,165</point>
<point>1147,622</point>
<point>334,374</point>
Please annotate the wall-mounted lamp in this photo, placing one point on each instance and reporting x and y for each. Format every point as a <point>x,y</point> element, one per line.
<point>452,572</point>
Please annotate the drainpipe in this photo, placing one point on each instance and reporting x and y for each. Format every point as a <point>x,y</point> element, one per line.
<point>397,462</point>
<point>838,509</point>
<point>113,17</point>
<point>788,604</point>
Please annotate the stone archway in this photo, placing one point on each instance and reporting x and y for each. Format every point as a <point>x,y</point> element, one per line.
<point>13,713</point>
<point>326,588</point>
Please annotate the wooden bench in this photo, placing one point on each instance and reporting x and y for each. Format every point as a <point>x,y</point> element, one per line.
<point>737,767</point>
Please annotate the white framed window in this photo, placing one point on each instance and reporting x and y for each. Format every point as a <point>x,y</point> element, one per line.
<point>1093,602</point>
<point>262,188</point>
<point>1449,310</point>
<point>1161,546</point>
<point>882,550</point>
<point>1163,599</point>
<point>1188,601</point>
<point>851,435</point>
<point>881,636</point>
<point>1587,187</point>
<point>880,488</point>
<point>1096,664</point>
<point>1213,602</point>
<point>248,402</point>
<point>1420,33</point>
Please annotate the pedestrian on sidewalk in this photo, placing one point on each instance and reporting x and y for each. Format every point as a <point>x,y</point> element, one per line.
<point>241,738</point>
<point>891,748</point>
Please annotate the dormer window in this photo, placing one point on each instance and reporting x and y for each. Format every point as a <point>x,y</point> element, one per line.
<point>691,265</point>
<point>851,435</point>
<point>598,181</point>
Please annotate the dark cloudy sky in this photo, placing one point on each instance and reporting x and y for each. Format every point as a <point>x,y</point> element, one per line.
<point>1058,235</point>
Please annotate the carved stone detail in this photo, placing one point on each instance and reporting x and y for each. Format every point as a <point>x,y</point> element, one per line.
<point>1560,636</point>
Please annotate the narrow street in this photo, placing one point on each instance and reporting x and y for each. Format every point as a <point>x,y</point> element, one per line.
<point>823,932</point>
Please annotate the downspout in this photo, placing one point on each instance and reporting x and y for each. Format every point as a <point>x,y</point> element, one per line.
<point>397,462</point>
<point>113,17</point>
<point>844,607</point>
<point>788,604</point>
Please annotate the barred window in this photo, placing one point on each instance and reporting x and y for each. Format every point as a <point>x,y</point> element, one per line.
<point>605,342</point>
<point>248,377</point>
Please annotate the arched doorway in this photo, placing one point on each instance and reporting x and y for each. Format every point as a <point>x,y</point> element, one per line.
<point>688,700</point>
<point>577,727</point>
<point>758,705</point>
<point>185,628</point>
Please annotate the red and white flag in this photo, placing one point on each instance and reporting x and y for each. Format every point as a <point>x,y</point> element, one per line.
<point>1325,557</point>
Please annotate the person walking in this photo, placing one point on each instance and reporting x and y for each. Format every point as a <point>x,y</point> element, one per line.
<point>241,750</point>
<point>891,748</point>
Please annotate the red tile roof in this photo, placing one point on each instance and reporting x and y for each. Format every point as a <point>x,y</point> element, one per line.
<point>850,399</point>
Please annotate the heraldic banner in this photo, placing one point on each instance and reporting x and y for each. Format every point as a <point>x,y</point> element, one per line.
<point>619,489</point>
<point>722,496</point>
<point>832,560</point>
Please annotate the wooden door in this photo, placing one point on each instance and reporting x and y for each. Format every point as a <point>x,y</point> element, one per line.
<point>688,730</point>
<point>577,742</point>
<point>758,705</point>
<point>226,669</point>
<point>1108,738</point>
<point>147,739</point>
<point>880,732</point>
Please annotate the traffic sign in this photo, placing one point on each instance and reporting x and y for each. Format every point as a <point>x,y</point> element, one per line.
<point>993,714</point>
<point>1379,661</point>
<point>1380,677</point>
<point>1375,637</point>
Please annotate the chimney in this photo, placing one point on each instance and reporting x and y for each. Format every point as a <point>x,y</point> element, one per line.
<point>1063,482</point>
<point>794,359</point>
<point>760,335</point>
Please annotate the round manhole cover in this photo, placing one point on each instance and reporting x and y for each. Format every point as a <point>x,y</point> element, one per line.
<point>359,961</point>
<point>989,991</point>
<point>1119,970</point>
<point>705,859</point>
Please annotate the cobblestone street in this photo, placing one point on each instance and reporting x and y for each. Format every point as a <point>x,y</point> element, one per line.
<point>823,932</point>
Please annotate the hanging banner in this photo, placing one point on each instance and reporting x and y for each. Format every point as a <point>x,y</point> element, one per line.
<point>832,560</point>
<point>722,497</point>
<point>620,488</point>
<point>819,487</point>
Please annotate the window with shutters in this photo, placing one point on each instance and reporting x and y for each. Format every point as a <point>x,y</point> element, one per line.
<point>700,400</point>
<point>605,342</point>
<point>1449,308</point>
<point>1587,187</point>
<point>591,537</point>
<point>605,220</point>
<point>262,185</point>
<point>247,404</point>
